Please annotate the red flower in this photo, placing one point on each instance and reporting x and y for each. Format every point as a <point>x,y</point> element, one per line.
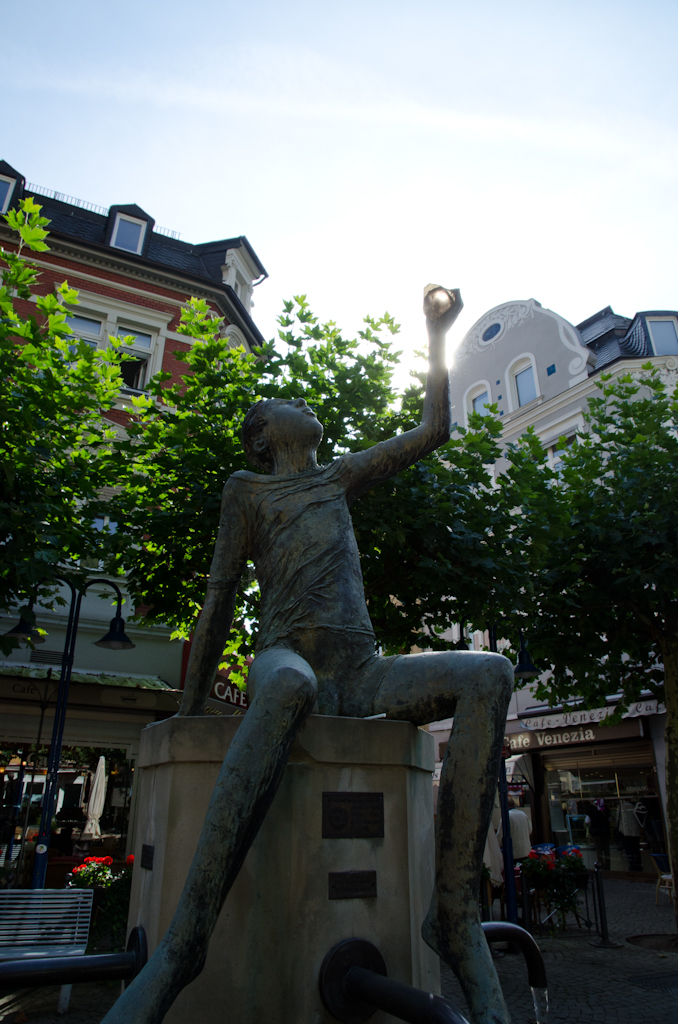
<point>78,868</point>
<point>130,859</point>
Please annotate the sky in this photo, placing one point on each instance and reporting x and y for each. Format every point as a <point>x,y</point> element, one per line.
<point>365,149</point>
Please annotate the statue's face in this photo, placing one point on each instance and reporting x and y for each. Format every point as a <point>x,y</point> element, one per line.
<point>291,423</point>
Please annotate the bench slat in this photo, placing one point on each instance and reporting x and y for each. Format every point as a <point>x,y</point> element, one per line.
<point>44,922</point>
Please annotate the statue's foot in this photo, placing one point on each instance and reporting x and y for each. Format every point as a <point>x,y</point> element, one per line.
<point>461,943</point>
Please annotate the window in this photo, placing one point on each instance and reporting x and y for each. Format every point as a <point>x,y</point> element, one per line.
<point>128,233</point>
<point>525,386</point>
<point>83,326</point>
<point>133,373</point>
<point>480,403</point>
<point>491,332</point>
<point>6,189</point>
<point>140,340</point>
<point>555,451</point>
<point>664,336</point>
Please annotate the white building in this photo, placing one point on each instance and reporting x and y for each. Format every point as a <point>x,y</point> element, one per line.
<point>540,370</point>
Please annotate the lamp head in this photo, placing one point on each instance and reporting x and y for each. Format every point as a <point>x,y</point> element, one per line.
<point>116,638</point>
<point>524,667</point>
<point>24,631</point>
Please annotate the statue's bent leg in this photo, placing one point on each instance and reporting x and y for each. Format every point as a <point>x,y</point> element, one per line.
<point>475,688</point>
<point>285,693</point>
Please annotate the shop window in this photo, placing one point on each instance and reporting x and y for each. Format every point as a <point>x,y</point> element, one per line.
<point>664,336</point>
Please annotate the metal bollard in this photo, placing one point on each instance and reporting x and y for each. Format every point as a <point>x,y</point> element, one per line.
<point>525,902</point>
<point>604,941</point>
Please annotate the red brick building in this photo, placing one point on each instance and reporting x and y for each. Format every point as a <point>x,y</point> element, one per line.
<point>134,277</point>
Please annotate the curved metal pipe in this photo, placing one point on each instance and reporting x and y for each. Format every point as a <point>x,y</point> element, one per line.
<point>72,970</point>
<point>502,931</point>
<point>402,1001</point>
<point>65,970</point>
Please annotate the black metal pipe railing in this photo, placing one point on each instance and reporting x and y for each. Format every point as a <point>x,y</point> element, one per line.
<point>402,1001</point>
<point>502,931</point>
<point>73,970</point>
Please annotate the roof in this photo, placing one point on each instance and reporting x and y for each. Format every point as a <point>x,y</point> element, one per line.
<point>20,670</point>
<point>86,224</point>
<point>204,260</point>
<point>612,337</point>
<point>601,323</point>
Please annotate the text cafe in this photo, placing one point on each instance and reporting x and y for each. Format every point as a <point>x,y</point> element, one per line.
<point>595,785</point>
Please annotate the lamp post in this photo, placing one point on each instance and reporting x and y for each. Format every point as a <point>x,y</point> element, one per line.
<point>114,640</point>
<point>524,669</point>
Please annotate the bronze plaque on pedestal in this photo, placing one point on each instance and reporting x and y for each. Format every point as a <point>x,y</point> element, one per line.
<point>353,815</point>
<point>351,885</point>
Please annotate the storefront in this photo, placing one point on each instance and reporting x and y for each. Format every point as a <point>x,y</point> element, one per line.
<point>592,784</point>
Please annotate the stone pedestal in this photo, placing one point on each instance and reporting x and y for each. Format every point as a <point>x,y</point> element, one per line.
<point>278,921</point>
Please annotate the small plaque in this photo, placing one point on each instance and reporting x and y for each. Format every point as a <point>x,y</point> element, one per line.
<point>147,854</point>
<point>352,885</point>
<point>353,815</point>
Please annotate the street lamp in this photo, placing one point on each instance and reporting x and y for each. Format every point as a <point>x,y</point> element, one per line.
<point>24,631</point>
<point>114,640</point>
<point>524,667</point>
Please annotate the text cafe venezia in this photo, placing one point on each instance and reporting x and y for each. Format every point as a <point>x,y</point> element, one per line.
<point>597,785</point>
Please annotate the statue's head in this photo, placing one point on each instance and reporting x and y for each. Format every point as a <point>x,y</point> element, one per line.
<point>275,424</point>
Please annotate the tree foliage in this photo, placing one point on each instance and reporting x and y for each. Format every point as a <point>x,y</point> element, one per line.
<point>57,449</point>
<point>607,609</point>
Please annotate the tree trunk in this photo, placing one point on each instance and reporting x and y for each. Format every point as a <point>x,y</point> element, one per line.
<point>670,655</point>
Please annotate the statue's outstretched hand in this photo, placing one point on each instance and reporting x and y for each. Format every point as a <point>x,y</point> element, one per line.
<point>442,306</point>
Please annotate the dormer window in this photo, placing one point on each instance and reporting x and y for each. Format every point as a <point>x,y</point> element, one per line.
<point>6,190</point>
<point>128,233</point>
<point>664,336</point>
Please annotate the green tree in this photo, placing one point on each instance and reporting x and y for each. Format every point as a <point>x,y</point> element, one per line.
<point>440,543</point>
<point>57,450</point>
<point>605,613</point>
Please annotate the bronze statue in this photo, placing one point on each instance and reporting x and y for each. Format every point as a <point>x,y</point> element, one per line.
<point>316,652</point>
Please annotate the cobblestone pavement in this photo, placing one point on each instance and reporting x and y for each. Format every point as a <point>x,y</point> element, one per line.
<point>89,1003</point>
<point>597,986</point>
<point>586,985</point>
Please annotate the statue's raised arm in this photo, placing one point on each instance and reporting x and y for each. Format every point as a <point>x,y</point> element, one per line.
<point>441,307</point>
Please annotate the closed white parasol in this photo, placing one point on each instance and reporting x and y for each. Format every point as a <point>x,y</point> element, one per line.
<point>96,801</point>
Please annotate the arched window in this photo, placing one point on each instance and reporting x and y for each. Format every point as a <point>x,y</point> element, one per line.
<point>480,403</point>
<point>522,381</point>
<point>477,399</point>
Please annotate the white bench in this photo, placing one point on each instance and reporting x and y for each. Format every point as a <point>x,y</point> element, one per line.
<point>37,923</point>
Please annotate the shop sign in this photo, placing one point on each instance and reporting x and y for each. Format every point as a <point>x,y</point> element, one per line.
<point>562,720</point>
<point>544,739</point>
<point>229,693</point>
